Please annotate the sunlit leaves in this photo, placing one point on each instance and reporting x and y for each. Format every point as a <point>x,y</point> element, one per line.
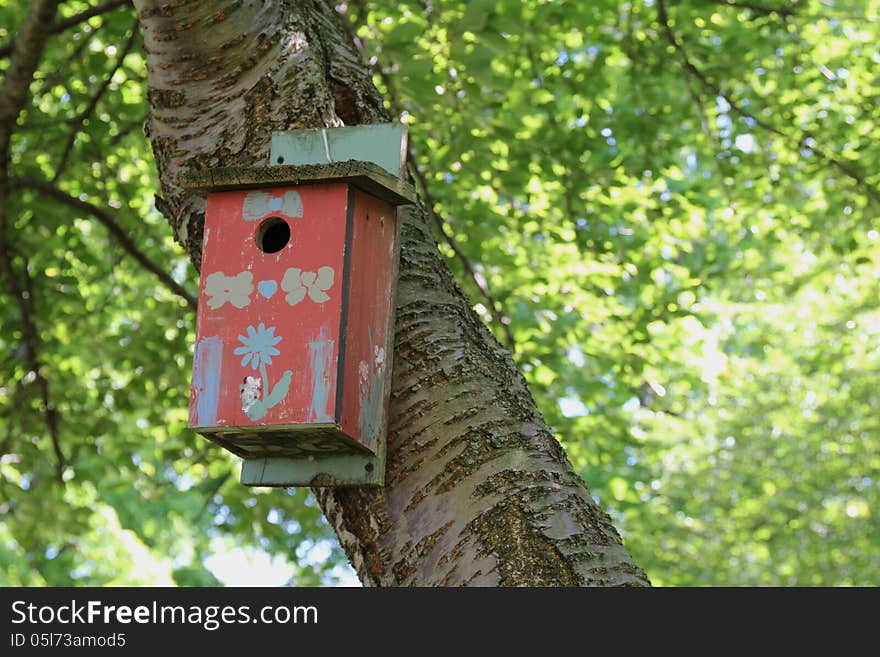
<point>683,243</point>
<point>665,256</point>
<point>144,501</point>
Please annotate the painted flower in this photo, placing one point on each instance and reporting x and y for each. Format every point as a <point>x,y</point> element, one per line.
<point>259,346</point>
<point>297,283</point>
<point>237,289</point>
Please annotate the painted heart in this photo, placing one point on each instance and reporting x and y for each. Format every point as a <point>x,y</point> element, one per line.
<point>267,288</point>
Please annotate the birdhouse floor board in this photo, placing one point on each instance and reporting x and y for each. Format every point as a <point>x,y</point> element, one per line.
<point>366,176</point>
<point>290,441</point>
<point>343,470</point>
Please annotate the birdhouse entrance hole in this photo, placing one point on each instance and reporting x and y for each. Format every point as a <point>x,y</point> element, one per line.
<point>272,235</point>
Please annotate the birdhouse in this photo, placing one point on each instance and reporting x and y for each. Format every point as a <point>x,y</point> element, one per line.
<point>294,332</point>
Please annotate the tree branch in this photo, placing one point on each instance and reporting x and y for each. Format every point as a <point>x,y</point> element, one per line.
<point>25,57</point>
<point>764,10</point>
<point>788,11</point>
<point>496,308</point>
<point>23,295</point>
<point>845,167</point>
<point>28,49</point>
<point>106,219</point>
<point>66,23</point>
<point>567,184</point>
<point>62,74</point>
<point>210,496</point>
<point>126,129</point>
<point>77,121</point>
<point>49,412</point>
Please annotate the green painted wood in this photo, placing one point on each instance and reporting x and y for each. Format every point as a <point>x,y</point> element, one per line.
<point>384,144</point>
<point>366,176</point>
<point>337,470</point>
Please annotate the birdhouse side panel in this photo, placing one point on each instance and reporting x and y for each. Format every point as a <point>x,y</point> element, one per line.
<point>270,302</point>
<point>368,336</point>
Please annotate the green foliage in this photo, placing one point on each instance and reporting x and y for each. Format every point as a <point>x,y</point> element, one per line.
<point>675,211</point>
<point>144,500</point>
<point>672,207</point>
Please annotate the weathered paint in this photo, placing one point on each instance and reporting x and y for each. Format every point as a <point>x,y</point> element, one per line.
<point>235,289</point>
<point>374,243</point>
<point>370,143</point>
<point>321,363</point>
<point>297,283</point>
<point>335,470</point>
<point>242,288</point>
<point>261,204</point>
<point>251,395</point>
<point>205,393</point>
<point>371,381</point>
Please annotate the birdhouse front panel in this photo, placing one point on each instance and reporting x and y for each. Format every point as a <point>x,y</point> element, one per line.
<point>271,306</point>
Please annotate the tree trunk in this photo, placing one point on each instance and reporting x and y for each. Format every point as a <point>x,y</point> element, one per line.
<point>478,491</point>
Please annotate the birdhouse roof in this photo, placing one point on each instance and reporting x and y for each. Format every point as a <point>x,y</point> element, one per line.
<point>365,176</point>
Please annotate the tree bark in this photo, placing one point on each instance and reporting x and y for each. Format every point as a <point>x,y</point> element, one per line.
<point>478,491</point>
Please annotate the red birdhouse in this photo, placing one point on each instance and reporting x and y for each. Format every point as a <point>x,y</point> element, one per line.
<point>294,333</point>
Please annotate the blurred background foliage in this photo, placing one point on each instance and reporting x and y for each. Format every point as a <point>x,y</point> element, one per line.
<point>667,211</point>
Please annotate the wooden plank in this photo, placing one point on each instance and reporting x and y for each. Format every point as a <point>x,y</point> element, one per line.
<point>335,470</point>
<point>370,336</point>
<point>384,144</point>
<point>366,176</point>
